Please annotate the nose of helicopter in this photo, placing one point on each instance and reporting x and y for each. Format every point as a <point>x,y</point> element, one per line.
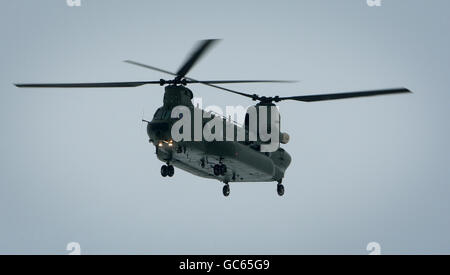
<point>158,131</point>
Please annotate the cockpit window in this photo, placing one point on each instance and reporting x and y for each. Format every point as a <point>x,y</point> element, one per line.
<point>159,114</point>
<point>162,114</point>
<point>166,114</point>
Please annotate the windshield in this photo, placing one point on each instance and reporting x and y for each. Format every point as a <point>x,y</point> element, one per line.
<point>159,113</point>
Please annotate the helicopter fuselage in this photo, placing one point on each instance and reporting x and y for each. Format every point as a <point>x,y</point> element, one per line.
<point>243,160</point>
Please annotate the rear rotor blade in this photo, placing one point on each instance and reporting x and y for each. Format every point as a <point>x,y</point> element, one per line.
<point>323,97</point>
<point>87,85</point>
<point>199,51</point>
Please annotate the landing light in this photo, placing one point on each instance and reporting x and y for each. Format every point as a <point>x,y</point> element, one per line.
<point>169,143</point>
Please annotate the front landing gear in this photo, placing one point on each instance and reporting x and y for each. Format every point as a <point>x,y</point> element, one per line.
<point>280,189</point>
<point>226,190</point>
<point>167,170</point>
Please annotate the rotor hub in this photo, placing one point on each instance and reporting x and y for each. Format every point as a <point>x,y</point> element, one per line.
<point>175,81</point>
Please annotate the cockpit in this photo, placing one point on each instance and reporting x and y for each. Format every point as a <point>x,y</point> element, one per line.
<point>162,114</point>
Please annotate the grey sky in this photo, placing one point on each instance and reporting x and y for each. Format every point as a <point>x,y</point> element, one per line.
<point>76,164</point>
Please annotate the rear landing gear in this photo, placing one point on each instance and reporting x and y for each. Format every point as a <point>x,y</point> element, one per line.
<point>226,190</point>
<point>167,170</point>
<point>280,189</point>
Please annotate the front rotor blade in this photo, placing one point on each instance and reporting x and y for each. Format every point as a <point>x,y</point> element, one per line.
<point>242,81</point>
<point>149,67</point>
<point>87,85</point>
<point>222,88</point>
<point>323,97</point>
<point>211,83</point>
<point>200,50</point>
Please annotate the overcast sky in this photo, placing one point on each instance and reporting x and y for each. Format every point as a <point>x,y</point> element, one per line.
<point>76,165</point>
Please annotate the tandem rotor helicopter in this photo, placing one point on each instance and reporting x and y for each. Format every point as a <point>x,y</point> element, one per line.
<point>226,161</point>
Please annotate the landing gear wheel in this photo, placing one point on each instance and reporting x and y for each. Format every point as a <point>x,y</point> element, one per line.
<point>226,190</point>
<point>164,170</point>
<point>170,171</point>
<point>280,189</point>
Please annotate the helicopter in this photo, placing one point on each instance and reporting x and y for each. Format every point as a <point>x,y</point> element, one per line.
<point>223,160</point>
